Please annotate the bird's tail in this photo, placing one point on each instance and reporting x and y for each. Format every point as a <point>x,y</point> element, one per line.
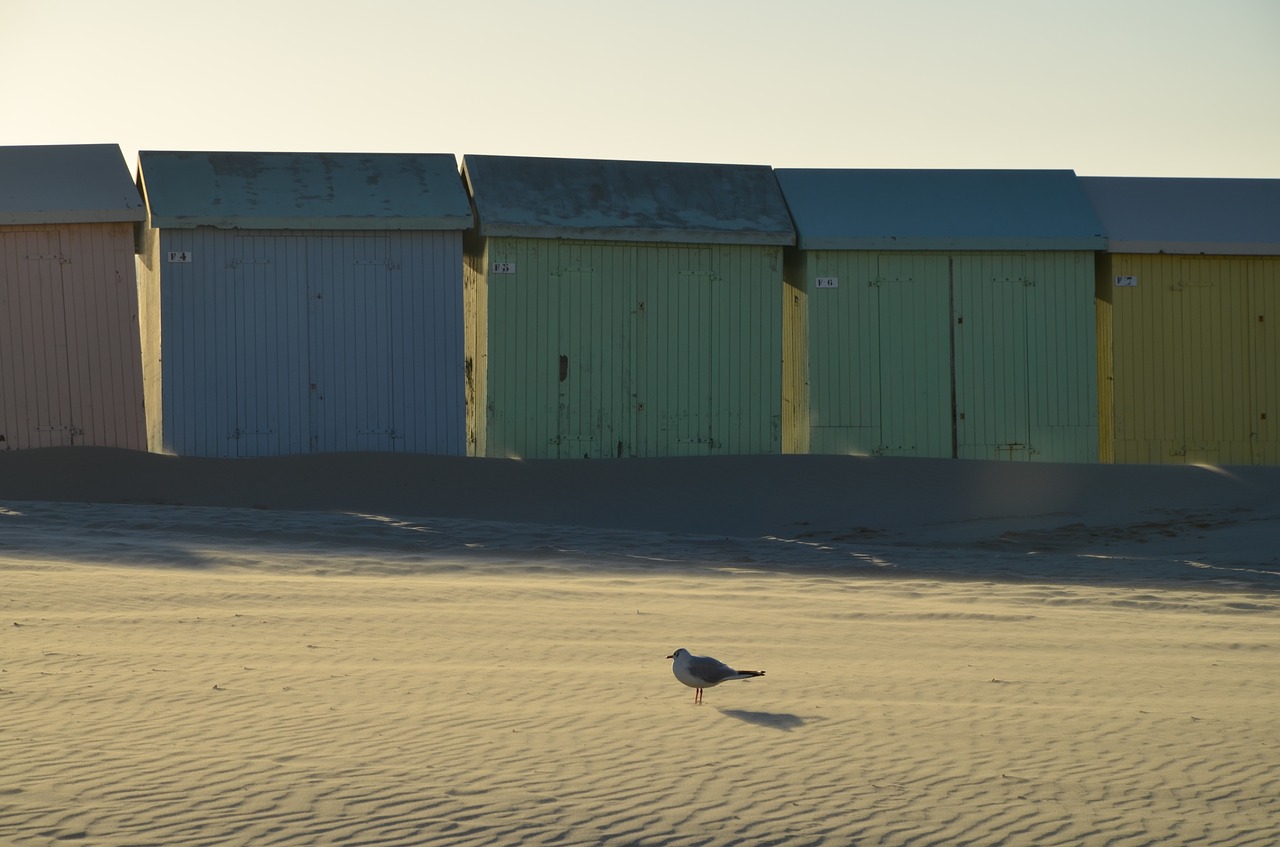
<point>745,674</point>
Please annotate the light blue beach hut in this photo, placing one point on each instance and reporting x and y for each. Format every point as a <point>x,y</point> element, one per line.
<point>303,302</point>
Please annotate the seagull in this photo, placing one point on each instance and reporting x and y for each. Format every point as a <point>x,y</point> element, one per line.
<point>703,671</point>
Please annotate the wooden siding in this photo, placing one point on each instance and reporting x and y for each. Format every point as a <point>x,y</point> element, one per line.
<point>1104,321</point>
<point>475,309</point>
<point>795,359</point>
<point>1264,293</point>
<point>275,343</point>
<point>70,363</point>
<point>971,355</point>
<point>609,349</point>
<point>1195,368</point>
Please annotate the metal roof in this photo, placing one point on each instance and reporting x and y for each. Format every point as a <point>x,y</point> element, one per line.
<point>67,183</point>
<point>410,191</point>
<point>601,199</point>
<point>856,209</point>
<point>1173,215</point>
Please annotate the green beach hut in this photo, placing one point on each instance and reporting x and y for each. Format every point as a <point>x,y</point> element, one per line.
<point>945,313</point>
<point>620,308</point>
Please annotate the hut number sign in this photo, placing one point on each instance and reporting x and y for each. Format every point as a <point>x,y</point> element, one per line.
<point>182,257</point>
<point>503,268</point>
<point>1127,281</point>
<point>826,282</point>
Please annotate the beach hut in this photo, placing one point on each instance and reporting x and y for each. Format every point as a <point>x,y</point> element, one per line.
<point>1190,284</point>
<point>70,361</point>
<point>621,308</point>
<point>303,302</point>
<point>946,313</point>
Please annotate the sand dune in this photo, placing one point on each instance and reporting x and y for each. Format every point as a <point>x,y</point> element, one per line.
<point>1067,656</point>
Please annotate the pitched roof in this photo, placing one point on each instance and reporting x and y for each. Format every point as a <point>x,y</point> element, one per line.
<point>67,183</point>
<point>856,209</point>
<point>1171,215</point>
<point>601,199</point>
<point>304,190</point>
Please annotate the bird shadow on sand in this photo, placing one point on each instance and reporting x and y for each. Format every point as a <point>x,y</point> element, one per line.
<point>773,720</point>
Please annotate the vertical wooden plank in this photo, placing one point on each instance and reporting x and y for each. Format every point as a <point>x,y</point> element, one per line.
<point>796,420</point>
<point>914,378</point>
<point>51,336</point>
<point>1264,320</point>
<point>1062,357</point>
<point>475,327</point>
<point>524,361</point>
<point>1104,316</point>
<point>448,368</point>
<point>354,343</point>
<point>149,330</point>
<point>11,351</point>
<point>762,348</point>
<point>104,356</point>
<point>34,347</point>
<point>844,350</point>
<point>991,295</point>
<point>677,334</point>
<point>31,291</point>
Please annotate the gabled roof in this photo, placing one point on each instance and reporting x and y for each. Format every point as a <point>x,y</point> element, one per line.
<point>1170,215</point>
<point>67,183</point>
<point>600,199</point>
<point>413,191</point>
<point>839,209</point>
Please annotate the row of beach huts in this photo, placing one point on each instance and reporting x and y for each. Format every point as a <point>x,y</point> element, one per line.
<point>258,304</point>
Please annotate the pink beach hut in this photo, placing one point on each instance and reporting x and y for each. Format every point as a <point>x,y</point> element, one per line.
<point>70,360</point>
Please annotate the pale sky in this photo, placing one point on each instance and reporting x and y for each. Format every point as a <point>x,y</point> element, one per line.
<point>1106,87</point>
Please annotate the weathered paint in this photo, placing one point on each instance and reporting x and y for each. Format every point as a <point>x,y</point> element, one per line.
<point>613,349</point>
<point>622,309</point>
<point>298,191</point>
<point>986,349</point>
<point>70,363</point>
<point>602,200</point>
<point>269,341</point>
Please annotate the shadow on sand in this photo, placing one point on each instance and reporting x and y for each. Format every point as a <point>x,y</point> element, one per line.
<point>773,720</point>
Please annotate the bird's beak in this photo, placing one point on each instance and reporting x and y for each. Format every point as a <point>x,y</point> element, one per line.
<point>672,656</point>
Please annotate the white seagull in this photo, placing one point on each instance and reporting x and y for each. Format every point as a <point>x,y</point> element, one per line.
<point>703,671</point>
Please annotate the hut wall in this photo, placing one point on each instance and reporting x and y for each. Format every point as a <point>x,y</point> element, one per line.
<point>150,331</point>
<point>610,349</point>
<point>70,363</point>
<point>969,354</point>
<point>1195,368</point>
<point>475,308</point>
<point>795,357</point>
<point>277,342</point>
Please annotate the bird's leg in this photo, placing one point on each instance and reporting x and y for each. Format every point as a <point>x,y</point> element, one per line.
<point>697,698</point>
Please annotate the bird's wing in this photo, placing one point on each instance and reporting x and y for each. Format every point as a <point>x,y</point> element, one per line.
<point>712,670</point>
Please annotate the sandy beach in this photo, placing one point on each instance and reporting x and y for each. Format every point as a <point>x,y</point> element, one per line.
<point>391,650</point>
